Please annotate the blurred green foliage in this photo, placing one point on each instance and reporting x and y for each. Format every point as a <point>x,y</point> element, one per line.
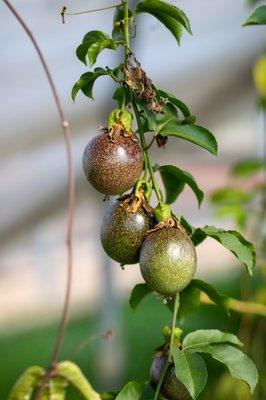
<point>139,333</point>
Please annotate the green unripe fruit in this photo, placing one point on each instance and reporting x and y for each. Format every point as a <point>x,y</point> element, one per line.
<point>112,166</point>
<point>167,260</point>
<point>122,232</point>
<point>172,388</point>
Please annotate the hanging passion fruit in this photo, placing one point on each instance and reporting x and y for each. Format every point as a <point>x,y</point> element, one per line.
<point>172,388</point>
<point>167,260</point>
<point>113,161</point>
<point>123,228</point>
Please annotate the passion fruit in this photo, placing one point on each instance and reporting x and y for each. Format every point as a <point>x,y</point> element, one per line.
<point>168,260</point>
<point>123,230</point>
<point>172,388</point>
<point>113,165</point>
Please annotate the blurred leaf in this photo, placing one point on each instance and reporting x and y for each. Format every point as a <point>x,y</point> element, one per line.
<point>189,120</point>
<point>228,387</point>
<point>123,96</point>
<point>258,17</point>
<point>240,366</point>
<point>259,76</point>
<point>86,82</point>
<point>219,299</point>
<point>174,180</point>
<point>204,337</point>
<point>138,293</point>
<point>193,133</point>
<point>238,212</point>
<point>93,43</point>
<point>73,374</point>
<point>27,382</point>
<point>233,241</point>
<point>164,9</point>
<point>131,391</point>
<point>176,102</point>
<point>230,195</point>
<point>247,168</point>
<point>191,370</point>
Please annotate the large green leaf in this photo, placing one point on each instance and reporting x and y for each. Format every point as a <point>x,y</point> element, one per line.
<point>190,369</point>
<point>193,133</point>
<point>73,374</point>
<point>247,168</point>
<point>138,293</point>
<point>159,7</point>
<point>240,366</point>
<point>258,17</point>
<point>93,43</point>
<point>235,242</point>
<point>27,382</point>
<point>131,391</point>
<point>218,298</point>
<point>86,82</point>
<point>174,180</point>
<point>205,337</point>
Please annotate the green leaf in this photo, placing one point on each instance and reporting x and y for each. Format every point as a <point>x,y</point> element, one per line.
<point>174,180</point>
<point>86,82</point>
<point>93,43</point>
<point>191,370</point>
<point>27,382</point>
<point>258,17</point>
<point>73,374</point>
<point>230,195</point>
<point>176,102</point>
<point>236,243</point>
<point>193,133</point>
<point>123,96</point>
<point>159,7</point>
<point>240,366</point>
<point>219,299</point>
<point>138,293</point>
<point>131,391</point>
<point>205,337</point>
<point>247,168</point>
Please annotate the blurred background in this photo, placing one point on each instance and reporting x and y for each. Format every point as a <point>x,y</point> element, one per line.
<point>211,72</point>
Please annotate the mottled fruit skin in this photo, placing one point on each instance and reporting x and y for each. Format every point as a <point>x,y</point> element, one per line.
<point>168,260</point>
<point>122,233</point>
<point>172,388</point>
<point>112,167</point>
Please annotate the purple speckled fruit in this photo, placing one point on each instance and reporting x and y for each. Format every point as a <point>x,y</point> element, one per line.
<point>112,167</point>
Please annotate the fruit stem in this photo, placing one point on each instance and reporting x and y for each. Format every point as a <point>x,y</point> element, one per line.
<point>168,360</point>
<point>146,153</point>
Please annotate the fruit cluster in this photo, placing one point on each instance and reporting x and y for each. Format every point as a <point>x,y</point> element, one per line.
<point>132,231</point>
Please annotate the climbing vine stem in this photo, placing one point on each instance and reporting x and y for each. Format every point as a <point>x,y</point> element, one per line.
<point>71,198</point>
<point>169,355</point>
